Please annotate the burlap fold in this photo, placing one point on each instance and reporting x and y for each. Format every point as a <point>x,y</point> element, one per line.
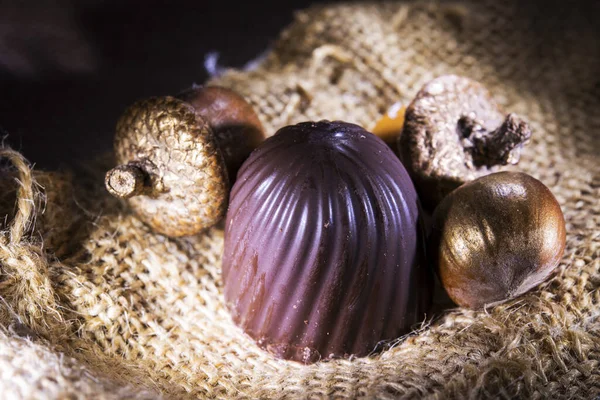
<point>92,302</point>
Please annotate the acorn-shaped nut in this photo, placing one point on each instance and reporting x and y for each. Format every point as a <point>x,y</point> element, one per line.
<point>231,118</point>
<point>495,238</point>
<point>172,171</point>
<point>175,155</point>
<point>323,249</point>
<point>453,133</point>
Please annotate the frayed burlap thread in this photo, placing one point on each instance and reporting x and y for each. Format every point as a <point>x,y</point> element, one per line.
<point>30,370</point>
<point>148,310</point>
<point>25,282</point>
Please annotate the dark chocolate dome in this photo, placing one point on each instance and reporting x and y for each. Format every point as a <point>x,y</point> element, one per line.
<point>323,244</point>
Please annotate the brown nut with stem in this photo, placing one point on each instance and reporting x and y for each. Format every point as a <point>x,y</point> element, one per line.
<point>496,237</point>
<point>175,157</point>
<point>453,133</point>
<point>231,118</point>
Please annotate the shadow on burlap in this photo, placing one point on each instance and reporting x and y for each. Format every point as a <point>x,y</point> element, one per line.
<point>92,302</point>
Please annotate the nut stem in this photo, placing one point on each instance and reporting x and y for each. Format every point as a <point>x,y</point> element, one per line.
<point>125,181</point>
<point>499,147</point>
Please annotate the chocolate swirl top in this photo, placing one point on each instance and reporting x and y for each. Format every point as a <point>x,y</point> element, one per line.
<point>323,244</point>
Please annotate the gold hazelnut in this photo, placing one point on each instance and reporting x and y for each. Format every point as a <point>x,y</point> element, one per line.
<point>496,237</point>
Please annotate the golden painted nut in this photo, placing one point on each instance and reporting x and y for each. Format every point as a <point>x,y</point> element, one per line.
<point>175,156</point>
<point>495,238</point>
<point>453,133</point>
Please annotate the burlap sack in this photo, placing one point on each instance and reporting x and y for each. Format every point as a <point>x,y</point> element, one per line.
<point>93,302</point>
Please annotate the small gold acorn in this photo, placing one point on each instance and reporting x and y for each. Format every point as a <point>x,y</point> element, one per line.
<point>175,155</point>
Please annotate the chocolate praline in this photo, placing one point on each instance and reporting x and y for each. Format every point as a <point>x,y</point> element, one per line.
<point>323,244</point>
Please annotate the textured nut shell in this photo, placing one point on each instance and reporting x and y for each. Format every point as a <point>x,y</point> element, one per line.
<point>233,121</point>
<point>323,244</point>
<point>176,148</point>
<point>496,237</point>
<point>430,144</point>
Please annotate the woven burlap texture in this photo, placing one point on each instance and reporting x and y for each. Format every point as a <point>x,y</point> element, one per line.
<point>93,302</point>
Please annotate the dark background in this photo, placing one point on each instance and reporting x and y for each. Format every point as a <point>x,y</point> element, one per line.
<point>68,68</point>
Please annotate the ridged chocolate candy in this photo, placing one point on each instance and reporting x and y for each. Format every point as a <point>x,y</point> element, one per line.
<point>323,244</point>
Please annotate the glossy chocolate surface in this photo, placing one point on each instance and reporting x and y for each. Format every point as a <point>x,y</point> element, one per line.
<point>323,244</point>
